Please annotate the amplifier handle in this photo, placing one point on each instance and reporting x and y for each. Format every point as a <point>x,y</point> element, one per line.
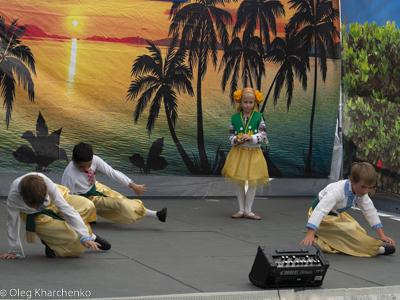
<point>299,250</point>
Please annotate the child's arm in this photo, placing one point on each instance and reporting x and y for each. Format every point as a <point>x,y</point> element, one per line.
<point>234,139</point>
<point>13,228</point>
<point>118,176</point>
<point>138,188</point>
<point>70,214</point>
<point>310,238</point>
<point>260,136</point>
<point>368,209</point>
<point>384,238</point>
<point>325,205</point>
<point>68,182</point>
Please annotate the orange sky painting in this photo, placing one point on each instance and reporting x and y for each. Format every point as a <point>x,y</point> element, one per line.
<point>83,19</point>
<point>113,18</point>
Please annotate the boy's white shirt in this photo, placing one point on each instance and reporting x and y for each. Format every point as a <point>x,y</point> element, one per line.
<point>333,198</point>
<point>77,181</point>
<point>16,204</point>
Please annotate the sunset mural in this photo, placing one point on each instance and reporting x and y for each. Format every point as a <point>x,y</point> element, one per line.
<point>84,55</point>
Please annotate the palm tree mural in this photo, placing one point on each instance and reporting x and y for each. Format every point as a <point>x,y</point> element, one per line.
<point>293,58</point>
<point>202,25</point>
<point>16,65</point>
<point>45,148</point>
<point>157,81</point>
<point>316,20</point>
<point>262,14</point>
<point>241,60</point>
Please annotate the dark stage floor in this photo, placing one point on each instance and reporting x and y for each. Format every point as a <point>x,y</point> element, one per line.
<point>200,249</point>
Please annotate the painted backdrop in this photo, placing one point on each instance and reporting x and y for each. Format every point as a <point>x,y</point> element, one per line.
<point>149,83</point>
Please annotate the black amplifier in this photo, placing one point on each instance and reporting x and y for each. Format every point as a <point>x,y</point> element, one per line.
<point>289,266</point>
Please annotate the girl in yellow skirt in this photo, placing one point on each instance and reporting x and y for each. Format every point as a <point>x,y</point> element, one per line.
<point>59,219</point>
<point>337,232</point>
<point>245,163</point>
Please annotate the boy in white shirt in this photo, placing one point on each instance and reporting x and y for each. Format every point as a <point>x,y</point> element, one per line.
<point>42,206</point>
<point>79,178</point>
<point>337,232</point>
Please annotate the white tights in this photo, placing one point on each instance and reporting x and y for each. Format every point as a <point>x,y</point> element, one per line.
<point>245,199</point>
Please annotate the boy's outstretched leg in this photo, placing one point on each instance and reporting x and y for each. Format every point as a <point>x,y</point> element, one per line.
<point>386,249</point>
<point>116,207</point>
<point>160,215</point>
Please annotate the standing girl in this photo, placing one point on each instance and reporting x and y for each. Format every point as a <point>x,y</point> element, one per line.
<point>245,162</point>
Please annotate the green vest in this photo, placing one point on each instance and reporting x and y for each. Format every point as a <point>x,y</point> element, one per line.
<point>252,124</point>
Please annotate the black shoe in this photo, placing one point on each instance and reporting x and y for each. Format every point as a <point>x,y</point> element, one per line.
<point>162,214</point>
<point>104,245</point>
<point>49,253</point>
<point>93,222</point>
<point>389,249</point>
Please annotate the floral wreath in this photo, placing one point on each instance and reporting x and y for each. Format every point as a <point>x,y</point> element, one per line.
<point>237,95</point>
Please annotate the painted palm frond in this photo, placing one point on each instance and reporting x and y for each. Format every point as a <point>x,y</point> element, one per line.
<point>244,57</point>
<point>290,53</point>
<point>16,65</point>
<point>258,14</point>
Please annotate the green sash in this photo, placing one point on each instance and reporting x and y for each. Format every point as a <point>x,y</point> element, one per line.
<point>30,219</point>
<point>93,192</point>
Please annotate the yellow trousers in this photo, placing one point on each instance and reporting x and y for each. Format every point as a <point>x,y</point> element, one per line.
<point>57,234</point>
<point>116,207</point>
<point>342,233</point>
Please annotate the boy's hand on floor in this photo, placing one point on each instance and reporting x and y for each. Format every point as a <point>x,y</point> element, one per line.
<point>310,238</point>
<point>92,244</point>
<point>8,256</point>
<point>388,240</point>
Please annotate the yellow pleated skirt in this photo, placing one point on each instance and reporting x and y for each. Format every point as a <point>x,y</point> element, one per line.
<point>57,234</point>
<point>343,234</point>
<point>116,207</point>
<point>246,164</point>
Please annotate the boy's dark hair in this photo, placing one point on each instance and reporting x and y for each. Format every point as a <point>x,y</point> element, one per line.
<point>363,171</point>
<point>33,190</point>
<point>82,153</point>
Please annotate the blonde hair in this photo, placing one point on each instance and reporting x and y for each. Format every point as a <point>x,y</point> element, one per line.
<point>237,96</point>
<point>249,90</point>
<point>33,190</point>
<point>363,171</point>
